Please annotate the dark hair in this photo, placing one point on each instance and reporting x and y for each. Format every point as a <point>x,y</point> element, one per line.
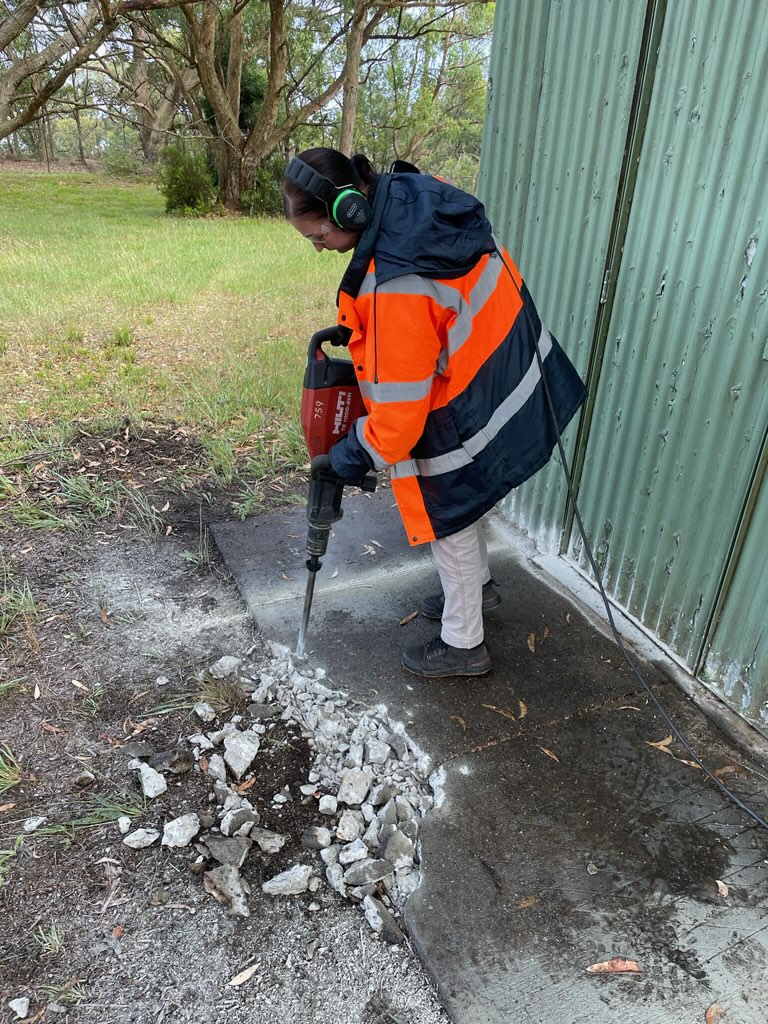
<point>338,168</point>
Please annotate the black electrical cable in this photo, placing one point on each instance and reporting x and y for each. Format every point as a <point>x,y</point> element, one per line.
<point>598,577</point>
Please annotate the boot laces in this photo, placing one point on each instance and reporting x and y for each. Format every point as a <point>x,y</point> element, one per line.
<point>435,648</point>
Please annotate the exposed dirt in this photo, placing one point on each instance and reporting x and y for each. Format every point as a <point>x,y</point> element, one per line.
<point>125,626</point>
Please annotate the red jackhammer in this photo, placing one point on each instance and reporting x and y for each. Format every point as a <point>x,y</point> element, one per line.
<point>330,404</point>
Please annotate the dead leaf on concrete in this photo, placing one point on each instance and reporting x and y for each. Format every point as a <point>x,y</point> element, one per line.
<point>500,711</point>
<point>532,643</point>
<point>714,1014</point>
<point>409,618</point>
<point>523,708</point>
<point>722,888</point>
<point>663,746</point>
<point>614,966</point>
<point>528,901</point>
<point>549,753</point>
<point>460,720</point>
<point>243,976</point>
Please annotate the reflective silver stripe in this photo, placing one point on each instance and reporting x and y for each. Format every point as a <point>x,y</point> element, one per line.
<point>412,284</point>
<point>378,462</point>
<point>483,289</point>
<point>398,391</point>
<point>511,405</point>
<point>403,469</point>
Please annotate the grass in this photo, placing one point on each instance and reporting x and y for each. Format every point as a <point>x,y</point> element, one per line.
<point>100,811</point>
<point>17,605</point>
<point>7,856</point>
<point>9,685</point>
<point>110,309</point>
<point>50,939</point>
<point>10,769</point>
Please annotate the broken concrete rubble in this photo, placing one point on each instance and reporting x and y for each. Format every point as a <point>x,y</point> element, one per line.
<point>368,780</point>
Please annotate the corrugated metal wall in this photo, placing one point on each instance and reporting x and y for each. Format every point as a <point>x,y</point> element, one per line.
<point>671,461</point>
<point>562,80</point>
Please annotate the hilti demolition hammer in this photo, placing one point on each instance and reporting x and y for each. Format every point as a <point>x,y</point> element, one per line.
<point>330,404</point>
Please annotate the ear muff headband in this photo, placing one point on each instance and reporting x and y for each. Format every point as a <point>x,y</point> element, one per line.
<point>347,206</point>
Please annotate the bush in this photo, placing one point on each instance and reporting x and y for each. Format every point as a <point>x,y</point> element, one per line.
<point>265,196</point>
<point>186,182</point>
<point>120,162</point>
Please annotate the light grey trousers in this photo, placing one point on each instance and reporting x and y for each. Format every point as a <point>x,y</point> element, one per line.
<point>462,562</point>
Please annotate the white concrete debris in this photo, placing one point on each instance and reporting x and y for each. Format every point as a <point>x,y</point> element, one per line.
<point>20,1007</point>
<point>181,831</point>
<point>372,784</point>
<point>33,824</point>
<point>142,838</point>
<point>224,667</point>
<point>289,883</point>
<point>124,824</point>
<point>152,782</point>
<point>240,750</point>
<point>204,711</point>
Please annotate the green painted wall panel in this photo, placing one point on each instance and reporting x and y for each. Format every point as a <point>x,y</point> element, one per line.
<point>737,661</point>
<point>683,399</point>
<point>562,79</point>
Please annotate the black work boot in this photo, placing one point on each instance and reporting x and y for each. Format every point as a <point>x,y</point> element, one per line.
<point>432,607</point>
<point>437,659</point>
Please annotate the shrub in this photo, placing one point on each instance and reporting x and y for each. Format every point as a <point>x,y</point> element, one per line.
<point>120,162</point>
<point>186,182</point>
<point>265,195</point>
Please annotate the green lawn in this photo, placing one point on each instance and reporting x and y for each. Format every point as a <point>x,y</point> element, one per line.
<point>109,308</point>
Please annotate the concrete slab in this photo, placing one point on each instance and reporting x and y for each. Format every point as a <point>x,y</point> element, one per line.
<point>564,838</point>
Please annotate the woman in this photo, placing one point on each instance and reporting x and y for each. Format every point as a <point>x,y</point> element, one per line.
<point>443,336</point>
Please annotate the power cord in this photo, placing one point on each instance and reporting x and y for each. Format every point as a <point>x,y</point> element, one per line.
<point>598,577</point>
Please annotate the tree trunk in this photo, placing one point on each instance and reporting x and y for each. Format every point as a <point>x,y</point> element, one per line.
<point>351,77</point>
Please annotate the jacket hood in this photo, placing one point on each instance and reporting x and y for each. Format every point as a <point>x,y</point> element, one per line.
<point>419,225</point>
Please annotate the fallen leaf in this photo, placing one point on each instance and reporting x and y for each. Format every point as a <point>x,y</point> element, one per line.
<point>532,643</point>
<point>168,531</point>
<point>335,573</point>
<point>203,762</point>
<point>36,692</point>
<point>500,711</point>
<point>117,931</point>
<point>105,616</point>
<point>368,550</point>
<point>166,506</point>
<point>243,787</point>
<point>79,685</point>
<point>714,1014</point>
<point>409,618</point>
<point>523,708</point>
<point>528,901</point>
<point>6,807</point>
<point>722,888</point>
<point>568,618</point>
<point>460,720</point>
<point>50,728</point>
<point>549,753</point>
<point>662,744</point>
<point>376,543</point>
<point>243,976</point>
<point>546,632</point>
<point>727,769</point>
<point>628,707</point>
<point>614,966</point>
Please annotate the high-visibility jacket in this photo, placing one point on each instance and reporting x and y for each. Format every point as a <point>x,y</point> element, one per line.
<point>442,334</point>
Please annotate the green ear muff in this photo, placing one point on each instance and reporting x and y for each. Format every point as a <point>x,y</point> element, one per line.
<point>350,210</point>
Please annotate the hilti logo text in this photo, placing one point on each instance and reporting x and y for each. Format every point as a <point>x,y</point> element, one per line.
<point>342,410</point>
